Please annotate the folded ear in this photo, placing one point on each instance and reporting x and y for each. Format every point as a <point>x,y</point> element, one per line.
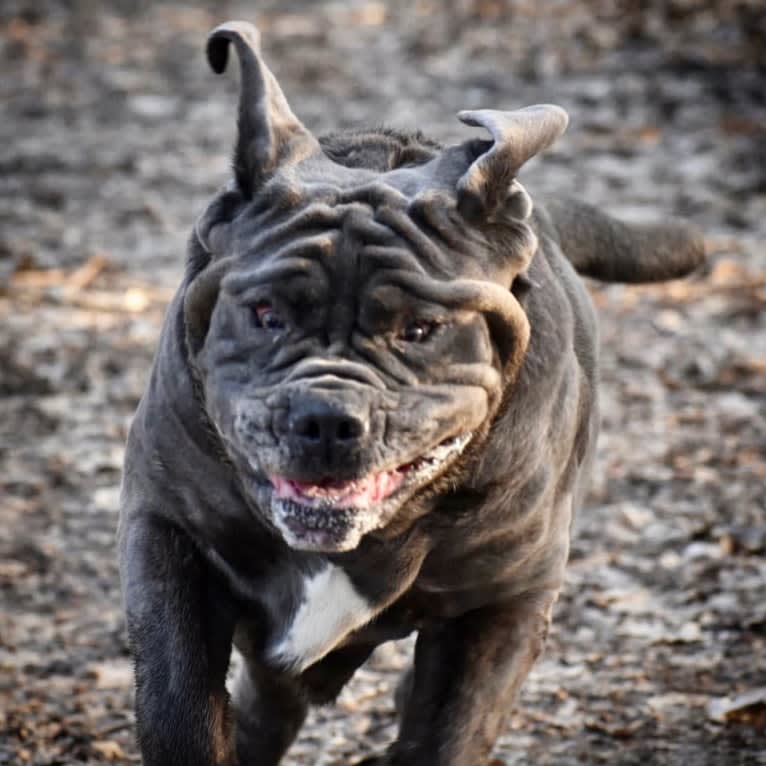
<point>270,134</point>
<point>488,186</point>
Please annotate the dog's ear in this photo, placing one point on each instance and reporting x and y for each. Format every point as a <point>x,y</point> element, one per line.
<point>269,134</point>
<point>489,187</point>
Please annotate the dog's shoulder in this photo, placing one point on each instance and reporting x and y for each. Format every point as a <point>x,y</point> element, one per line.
<point>569,299</point>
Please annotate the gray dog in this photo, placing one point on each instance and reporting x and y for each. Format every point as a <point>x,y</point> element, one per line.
<point>372,412</point>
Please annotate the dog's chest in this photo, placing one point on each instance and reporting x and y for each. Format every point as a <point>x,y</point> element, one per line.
<point>328,610</point>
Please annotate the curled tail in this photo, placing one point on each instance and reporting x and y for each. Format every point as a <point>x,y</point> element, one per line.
<point>604,248</point>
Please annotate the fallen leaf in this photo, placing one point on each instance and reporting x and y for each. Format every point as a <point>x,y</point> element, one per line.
<point>748,707</point>
<point>108,748</point>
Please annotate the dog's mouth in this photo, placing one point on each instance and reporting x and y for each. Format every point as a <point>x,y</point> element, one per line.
<point>333,515</point>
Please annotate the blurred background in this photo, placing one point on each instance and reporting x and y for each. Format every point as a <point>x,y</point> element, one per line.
<point>114,133</point>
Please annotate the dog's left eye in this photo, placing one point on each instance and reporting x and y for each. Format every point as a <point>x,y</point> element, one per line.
<point>268,318</point>
<point>417,331</point>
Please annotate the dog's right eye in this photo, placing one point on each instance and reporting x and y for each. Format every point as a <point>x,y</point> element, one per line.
<point>417,331</point>
<point>267,318</point>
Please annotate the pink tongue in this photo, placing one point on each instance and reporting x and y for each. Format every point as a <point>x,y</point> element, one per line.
<point>361,493</point>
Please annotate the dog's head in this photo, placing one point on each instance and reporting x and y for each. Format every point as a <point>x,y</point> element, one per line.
<point>353,312</point>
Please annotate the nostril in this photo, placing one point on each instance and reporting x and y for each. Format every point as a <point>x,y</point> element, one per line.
<point>309,428</point>
<point>348,428</point>
<point>316,427</point>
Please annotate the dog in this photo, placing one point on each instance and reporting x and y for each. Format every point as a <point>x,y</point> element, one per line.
<point>372,412</point>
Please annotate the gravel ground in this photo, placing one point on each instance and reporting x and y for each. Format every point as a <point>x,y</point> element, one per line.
<point>113,135</point>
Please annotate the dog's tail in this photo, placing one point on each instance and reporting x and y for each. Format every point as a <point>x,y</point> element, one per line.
<point>604,248</point>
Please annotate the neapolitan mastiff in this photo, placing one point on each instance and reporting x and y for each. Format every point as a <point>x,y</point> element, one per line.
<point>372,412</point>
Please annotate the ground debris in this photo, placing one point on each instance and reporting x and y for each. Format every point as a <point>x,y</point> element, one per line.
<point>115,135</point>
<point>747,707</point>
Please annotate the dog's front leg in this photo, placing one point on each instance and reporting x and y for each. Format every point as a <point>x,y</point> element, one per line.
<point>180,635</point>
<point>467,673</point>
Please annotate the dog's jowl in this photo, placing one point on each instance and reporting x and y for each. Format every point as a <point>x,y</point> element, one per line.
<point>372,413</point>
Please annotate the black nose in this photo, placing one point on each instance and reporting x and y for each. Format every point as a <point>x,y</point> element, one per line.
<point>320,423</point>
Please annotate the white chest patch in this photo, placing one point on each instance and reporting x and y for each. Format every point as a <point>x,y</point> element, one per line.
<point>331,609</point>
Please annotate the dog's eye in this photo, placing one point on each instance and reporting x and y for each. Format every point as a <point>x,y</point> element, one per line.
<point>417,330</point>
<point>267,317</point>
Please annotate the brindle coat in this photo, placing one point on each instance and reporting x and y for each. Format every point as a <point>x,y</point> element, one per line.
<point>365,305</point>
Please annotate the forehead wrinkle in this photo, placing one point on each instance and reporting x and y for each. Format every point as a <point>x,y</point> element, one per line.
<point>282,265</point>
<point>240,283</point>
<point>373,223</point>
<point>467,294</point>
<point>374,244</point>
<point>380,243</point>
<point>423,246</point>
<point>436,212</point>
<point>359,220</point>
<point>343,271</point>
<point>317,215</point>
<point>375,194</point>
<point>392,257</point>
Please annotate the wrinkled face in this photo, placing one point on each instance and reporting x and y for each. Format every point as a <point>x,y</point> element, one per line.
<point>351,356</point>
<point>353,322</point>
